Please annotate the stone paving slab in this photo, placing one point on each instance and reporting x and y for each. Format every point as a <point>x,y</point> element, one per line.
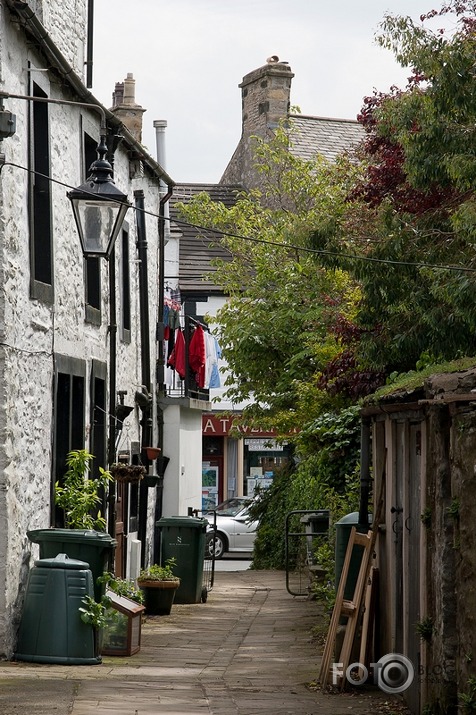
<point>248,650</point>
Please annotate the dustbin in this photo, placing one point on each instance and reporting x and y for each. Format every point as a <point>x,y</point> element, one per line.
<point>51,629</point>
<point>96,548</point>
<point>343,529</point>
<point>183,538</point>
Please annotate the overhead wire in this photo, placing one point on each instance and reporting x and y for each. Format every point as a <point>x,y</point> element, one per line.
<point>287,246</point>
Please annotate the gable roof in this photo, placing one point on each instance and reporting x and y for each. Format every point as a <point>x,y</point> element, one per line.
<point>311,136</point>
<point>197,249</point>
<point>321,135</point>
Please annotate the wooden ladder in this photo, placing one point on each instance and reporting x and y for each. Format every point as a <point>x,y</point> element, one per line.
<point>351,609</point>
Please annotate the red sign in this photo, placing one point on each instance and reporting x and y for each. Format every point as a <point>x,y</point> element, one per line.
<point>219,426</point>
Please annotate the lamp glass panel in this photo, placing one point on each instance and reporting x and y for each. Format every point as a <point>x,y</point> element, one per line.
<point>97,220</point>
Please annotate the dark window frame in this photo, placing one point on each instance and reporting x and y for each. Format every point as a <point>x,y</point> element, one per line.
<point>99,419</point>
<point>40,213</point>
<point>69,425</point>
<point>125,286</point>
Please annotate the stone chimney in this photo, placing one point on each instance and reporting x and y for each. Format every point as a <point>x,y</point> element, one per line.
<point>265,94</point>
<point>125,108</point>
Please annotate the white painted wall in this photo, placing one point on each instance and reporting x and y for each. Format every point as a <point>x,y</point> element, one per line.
<point>31,332</point>
<point>183,445</point>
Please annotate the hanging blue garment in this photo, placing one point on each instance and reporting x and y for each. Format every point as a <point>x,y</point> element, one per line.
<point>215,373</point>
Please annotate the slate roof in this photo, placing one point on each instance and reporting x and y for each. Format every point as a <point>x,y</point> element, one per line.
<point>197,249</point>
<point>311,136</point>
<point>321,135</point>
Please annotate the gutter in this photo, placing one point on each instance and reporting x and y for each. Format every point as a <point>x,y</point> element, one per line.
<point>33,27</point>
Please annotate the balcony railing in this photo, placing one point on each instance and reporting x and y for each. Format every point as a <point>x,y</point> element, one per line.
<point>176,387</point>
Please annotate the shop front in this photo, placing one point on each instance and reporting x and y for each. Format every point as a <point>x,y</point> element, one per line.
<point>237,460</point>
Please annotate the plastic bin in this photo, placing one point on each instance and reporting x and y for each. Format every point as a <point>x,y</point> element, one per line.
<point>96,548</point>
<point>183,538</point>
<point>343,529</point>
<point>51,629</point>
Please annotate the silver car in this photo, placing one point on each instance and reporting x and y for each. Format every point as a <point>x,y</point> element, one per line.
<point>234,530</point>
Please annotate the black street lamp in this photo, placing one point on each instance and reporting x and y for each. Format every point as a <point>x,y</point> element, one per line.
<point>99,207</point>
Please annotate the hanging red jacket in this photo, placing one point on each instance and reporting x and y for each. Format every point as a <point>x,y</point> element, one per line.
<point>177,357</point>
<point>197,355</point>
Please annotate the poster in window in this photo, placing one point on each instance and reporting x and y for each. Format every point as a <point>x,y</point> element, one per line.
<point>209,486</point>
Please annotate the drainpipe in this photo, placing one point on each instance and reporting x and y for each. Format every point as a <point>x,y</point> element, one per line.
<point>146,422</point>
<point>111,450</point>
<point>365,480</point>
<point>89,45</point>
<point>164,232</point>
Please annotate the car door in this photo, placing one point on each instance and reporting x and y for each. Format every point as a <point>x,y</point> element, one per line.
<point>244,532</point>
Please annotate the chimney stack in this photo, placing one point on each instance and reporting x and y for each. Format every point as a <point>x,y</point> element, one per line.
<point>265,96</point>
<point>125,107</point>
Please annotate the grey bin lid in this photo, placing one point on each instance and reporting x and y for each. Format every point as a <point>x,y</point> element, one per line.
<point>62,561</point>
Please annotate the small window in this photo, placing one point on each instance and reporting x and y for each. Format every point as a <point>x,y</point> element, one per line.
<point>69,424</point>
<point>41,239</point>
<point>125,284</point>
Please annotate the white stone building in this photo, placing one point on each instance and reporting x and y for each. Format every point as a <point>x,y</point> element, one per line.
<point>77,336</point>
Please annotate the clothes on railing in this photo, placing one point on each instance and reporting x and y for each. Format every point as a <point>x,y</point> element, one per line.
<point>197,356</point>
<point>203,355</point>
<point>177,356</point>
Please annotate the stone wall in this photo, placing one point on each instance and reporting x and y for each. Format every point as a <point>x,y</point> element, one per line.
<point>440,604</point>
<point>33,332</point>
<point>66,23</point>
<point>463,501</point>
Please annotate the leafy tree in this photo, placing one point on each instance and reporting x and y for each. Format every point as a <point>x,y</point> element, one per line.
<point>287,332</point>
<point>283,322</point>
<point>413,212</point>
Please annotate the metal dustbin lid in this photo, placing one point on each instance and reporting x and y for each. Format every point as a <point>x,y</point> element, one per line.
<point>62,561</point>
<point>86,536</point>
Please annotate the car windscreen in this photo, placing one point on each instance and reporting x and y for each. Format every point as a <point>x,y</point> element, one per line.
<point>231,507</point>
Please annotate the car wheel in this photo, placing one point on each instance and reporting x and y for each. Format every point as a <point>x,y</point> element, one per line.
<point>216,546</point>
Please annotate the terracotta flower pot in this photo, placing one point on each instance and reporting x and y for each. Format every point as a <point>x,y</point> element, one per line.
<point>152,452</point>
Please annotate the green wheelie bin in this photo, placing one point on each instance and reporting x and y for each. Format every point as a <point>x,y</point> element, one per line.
<point>96,548</point>
<point>343,529</point>
<point>183,538</point>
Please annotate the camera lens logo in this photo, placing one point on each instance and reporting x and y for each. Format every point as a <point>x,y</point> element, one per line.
<point>394,673</point>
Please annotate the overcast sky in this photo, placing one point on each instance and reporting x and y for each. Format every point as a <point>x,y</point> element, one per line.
<point>188,57</point>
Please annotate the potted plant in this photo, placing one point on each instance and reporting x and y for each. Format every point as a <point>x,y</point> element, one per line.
<point>84,537</point>
<point>123,587</point>
<point>121,632</point>
<point>159,585</point>
<point>79,494</point>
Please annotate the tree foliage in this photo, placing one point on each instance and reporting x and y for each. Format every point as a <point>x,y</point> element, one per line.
<point>283,323</point>
<point>412,214</point>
